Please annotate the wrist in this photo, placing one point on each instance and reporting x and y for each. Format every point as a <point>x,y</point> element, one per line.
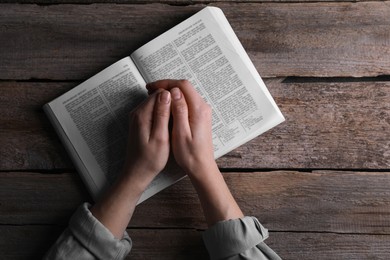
<point>136,181</point>
<point>137,176</point>
<point>217,202</point>
<point>203,172</point>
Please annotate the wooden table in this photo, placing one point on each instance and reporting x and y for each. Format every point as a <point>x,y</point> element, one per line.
<point>320,182</point>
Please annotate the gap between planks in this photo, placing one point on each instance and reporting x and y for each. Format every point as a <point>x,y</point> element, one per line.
<point>173,2</point>
<point>287,80</point>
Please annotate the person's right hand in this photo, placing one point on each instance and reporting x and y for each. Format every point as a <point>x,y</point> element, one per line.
<point>191,134</point>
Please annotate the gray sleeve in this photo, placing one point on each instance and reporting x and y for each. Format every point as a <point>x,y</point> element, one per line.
<point>87,238</point>
<point>238,239</point>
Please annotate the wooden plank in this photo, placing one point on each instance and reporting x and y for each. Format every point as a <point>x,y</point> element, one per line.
<point>297,39</point>
<point>322,201</point>
<point>27,242</point>
<point>31,242</point>
<point>27,138</point>
<point>328,125</point>
<point>21,103</point>
<point>329,246</point>
<point>170,2</point>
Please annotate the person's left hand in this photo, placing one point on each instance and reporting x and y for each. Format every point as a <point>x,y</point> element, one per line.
<point>148,140</point>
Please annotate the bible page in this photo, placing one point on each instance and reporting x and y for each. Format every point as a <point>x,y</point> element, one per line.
<point>93,118</point>
<point>204,50</point>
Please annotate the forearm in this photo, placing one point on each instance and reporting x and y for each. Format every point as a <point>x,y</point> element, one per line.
<point>117,206</point>
<point>147,155</point>
<point>216,199</point>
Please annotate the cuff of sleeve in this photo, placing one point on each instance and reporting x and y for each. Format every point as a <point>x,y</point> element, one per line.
<point>231,237</point>
<point>95,237</point>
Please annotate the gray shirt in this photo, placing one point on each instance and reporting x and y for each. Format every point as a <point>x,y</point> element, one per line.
<point>87,238</point>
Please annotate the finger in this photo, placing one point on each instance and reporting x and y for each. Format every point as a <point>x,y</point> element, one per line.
<point>162,110</point>
<point>143,115</point>
<point>166,84</point>
<point>192,97</point>
<point>181,126</point>
<point>194,100</point>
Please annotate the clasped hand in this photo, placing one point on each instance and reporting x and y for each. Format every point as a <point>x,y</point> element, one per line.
<point>149,144</point>
<point>150,141</point>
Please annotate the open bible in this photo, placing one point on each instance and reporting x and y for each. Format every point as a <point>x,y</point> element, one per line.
<point>92,118</point>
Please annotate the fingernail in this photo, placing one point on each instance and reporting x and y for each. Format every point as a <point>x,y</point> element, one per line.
<point>165,97</point>
<point>176,93</point>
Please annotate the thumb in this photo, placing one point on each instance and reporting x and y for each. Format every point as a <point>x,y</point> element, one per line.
<point>181,126</point>
<point>161,115</point>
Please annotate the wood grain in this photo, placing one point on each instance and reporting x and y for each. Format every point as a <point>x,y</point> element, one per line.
<point>321,201</point>
<point>170,2</point>
<point>29,242</point>
<point>328,125</point>
<point>342,126</point>
<point>65,42</point>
